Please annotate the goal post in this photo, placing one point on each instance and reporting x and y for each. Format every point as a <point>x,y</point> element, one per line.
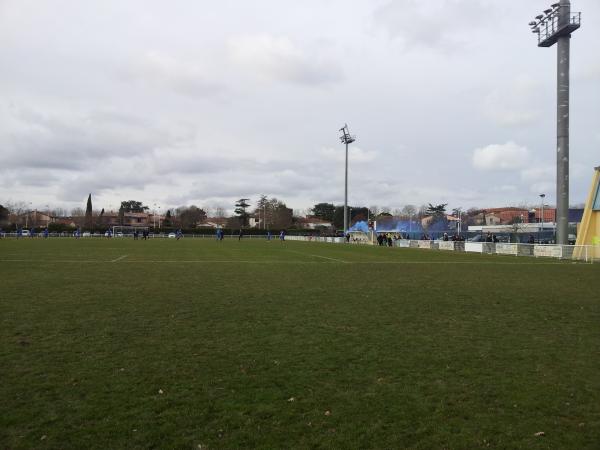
<point>123,230</point>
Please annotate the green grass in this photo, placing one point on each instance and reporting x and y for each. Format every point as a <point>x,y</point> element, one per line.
<point>259,344</point>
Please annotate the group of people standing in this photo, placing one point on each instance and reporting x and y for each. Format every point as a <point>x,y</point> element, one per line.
<point>489,237</point>
<point>145,235</point>
<point>220,235</point>
<point>457,237</point>
<point>386,239</point>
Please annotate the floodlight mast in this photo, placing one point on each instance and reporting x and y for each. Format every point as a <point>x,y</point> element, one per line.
<point>556,26</point>
<point>347,139</point>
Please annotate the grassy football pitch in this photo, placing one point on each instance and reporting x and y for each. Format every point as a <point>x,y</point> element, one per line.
<point>191,344</point>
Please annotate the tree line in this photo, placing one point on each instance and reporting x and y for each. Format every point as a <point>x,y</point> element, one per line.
<point>267,213</point>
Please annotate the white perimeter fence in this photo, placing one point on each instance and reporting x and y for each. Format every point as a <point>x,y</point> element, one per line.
<point>587,253</point>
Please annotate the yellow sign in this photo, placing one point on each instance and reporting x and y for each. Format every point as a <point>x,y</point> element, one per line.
<point>589,229</point>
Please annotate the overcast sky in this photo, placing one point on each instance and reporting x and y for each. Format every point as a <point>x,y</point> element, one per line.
<point>193,102</point>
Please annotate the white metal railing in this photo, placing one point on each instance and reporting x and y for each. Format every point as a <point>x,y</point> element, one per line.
<point>586,253</point>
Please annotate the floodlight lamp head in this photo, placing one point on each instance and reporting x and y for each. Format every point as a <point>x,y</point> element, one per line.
<point>536,30</point>
<point>540,17</point>
<point>532,23</point>
<point>555,5</point>
<point>547,11</point>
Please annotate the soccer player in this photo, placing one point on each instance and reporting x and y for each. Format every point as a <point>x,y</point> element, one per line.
<point>282,235</point>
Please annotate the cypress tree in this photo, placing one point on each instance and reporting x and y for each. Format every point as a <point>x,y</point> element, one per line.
<point>88,213</point>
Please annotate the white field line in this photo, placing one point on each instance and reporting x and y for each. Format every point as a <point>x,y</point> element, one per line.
<point>330,259</point>
<point>255,262</point>
<point>318,256</point>
<point>118,259</point>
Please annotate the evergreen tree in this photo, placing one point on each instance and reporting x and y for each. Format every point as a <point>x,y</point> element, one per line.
<point>133,206</point>
<point>436,210</point>
<point>4,213</point>
<point>324,211</point>
<point>240,210</point>
<point>190,216</point>
<point>88,213</point>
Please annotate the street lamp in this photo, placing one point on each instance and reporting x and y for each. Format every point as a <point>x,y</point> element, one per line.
<point>555,25</point>
<point>350,218</point>
<point>347,139</point>
<point>542,196</point>
<point>27,216</point>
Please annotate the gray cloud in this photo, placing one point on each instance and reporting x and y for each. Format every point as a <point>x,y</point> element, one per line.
<point>31,138</point>
<point>156,70</point>
<point>514,102</point>
<point>278,58</point>
<point>442,24</point>
<point>181,103</point>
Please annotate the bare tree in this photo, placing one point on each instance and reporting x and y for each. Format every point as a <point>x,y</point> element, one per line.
<point>78,215</point>
<point>17,208</point>
<point>220,212</point>
<point>58,212</point>
<point>409,210</point>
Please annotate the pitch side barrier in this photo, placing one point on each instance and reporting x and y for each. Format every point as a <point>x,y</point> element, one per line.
<point>585,253</point>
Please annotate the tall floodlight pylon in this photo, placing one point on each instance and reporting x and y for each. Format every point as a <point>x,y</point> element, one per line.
<point>347,139</point>
<point>555,25</point>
